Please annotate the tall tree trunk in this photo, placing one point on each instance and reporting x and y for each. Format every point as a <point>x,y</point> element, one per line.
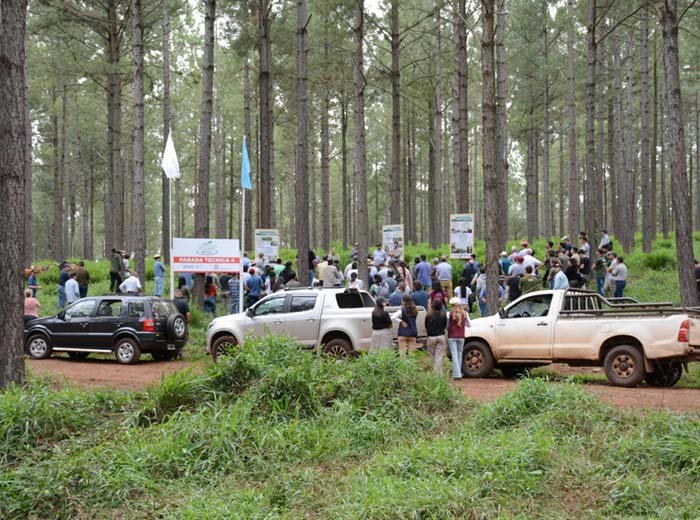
<point>139,176</point>
<point>531,185</point>
<point>344,168</point>
<point>562,229</point>
<point>619,199</point>
<point>302,173</point>
<point>13,171</point>
<point>265,209</point>
<point>629,206</point>
<point>57,242</point>
<point>360,153</point>
<point>501,136</point>
<point>594,182</point>
<point>546,190</point>
<point>436,222</point>
<point>27,234</point>
<point>84,194</point>
<point>165,182</point>
<point>313,200</point>
<point>395,189</point>
<point>574,203</point>
<point>201,211</point>
<point>488,103</point>
<point>664,201</point>
<point>463,104</point>
<point>647,222</point>
<point>247,128</point>
<point>600,147</point>
<point>679,179</point>
<point>697,159</point>
<point>64,193</point>
<point>325,165</point>
<point>115,187</point>
<point>219,180</point>
<point>654,141</point>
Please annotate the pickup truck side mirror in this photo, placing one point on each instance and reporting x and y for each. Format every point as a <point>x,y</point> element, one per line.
<point>250,313</point>
<point>62,315</point>
<point>502,313</point>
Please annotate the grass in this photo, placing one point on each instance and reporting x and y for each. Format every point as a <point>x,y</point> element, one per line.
<point>273,432</point>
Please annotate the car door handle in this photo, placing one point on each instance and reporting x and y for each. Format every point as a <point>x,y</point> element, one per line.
<point>278,322</point>
<point>311,320</point>
<point>542,324</point>
<point>118,324</point>
<point>501,324</point>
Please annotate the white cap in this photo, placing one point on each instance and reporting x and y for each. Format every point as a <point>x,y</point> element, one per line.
<point>455,301</point>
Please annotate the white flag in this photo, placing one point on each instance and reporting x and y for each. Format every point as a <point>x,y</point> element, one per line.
<point>169,164</point>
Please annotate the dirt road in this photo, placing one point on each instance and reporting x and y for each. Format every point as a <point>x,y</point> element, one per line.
<point>103,372</point>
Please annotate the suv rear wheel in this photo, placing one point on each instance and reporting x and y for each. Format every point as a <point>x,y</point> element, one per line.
<point>39,347</point>
<point>624,366</point>
<point>127,351</point>
<point>176,326</point>
<point>338,348</point>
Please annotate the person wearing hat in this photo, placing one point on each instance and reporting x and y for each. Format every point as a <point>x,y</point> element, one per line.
<point>523,247</point>
<point>379,255</point>
<point>457,323</point>
<point>381,327</point>
<point>565,243</point>
<point>505,263</point>
<point>158,274</point>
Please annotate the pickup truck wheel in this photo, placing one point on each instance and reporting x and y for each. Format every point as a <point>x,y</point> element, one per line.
<point>127,351</point>
<point>39,347</point>
<point>665,375</point>
<point>338,349</point>
<point>477,360</point>
<point>624,366</point>
<point>223,346</point>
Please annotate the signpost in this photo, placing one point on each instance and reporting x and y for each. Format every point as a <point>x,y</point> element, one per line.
<point>206,255</point>
<point>267,242</point>
<point>461,235</point>
<point>390,233</point>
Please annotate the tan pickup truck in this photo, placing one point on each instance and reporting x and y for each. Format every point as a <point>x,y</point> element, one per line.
<point>631,341</point>
<point>335,320</point>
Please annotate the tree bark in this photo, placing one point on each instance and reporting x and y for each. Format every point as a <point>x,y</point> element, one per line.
<point>600,148</point>
<point>27,234</point>
<point>531,184</point>
<point>115,188</point>
<point>201,212</point>
<point>325,165</point>
<point>311,155</point>
<point>360,153</point>
<point>546,186</point>
<point>619,199</point>
<point>13,171</point>
<point>302,173</point>
<point>139,175</point>
<point>463,106</point>
<point>628,186</point>
<point>165,182</point>
<point>219,180</point>
<point>247,128</point>
<point>654,142</point>
<point>647,222</point>
<point>574,203</point>
<point>501,135</point>
<point>664,201</point>
<point>436,222</point>
<point>266,202</point>
<point>395,189</point>
<point>562,230</point>
<point>679,179</point>
<point>697,160</point>
<point>594,181</point>
<point>488,110</point>
<point>344,168</point>
<point>57,242</point>
<point>64,192</point>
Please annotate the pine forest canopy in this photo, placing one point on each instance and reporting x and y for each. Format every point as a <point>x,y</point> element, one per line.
<point>583,135</point>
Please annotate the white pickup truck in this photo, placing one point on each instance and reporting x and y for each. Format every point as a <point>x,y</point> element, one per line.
<point>632,341</point>
<point>335,320</point>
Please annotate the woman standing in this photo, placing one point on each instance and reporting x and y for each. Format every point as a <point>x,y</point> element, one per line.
<point>408,330</point>
<point>381,327</point>
<point>463,292</point>
<point>458,321</point>
<point>437,293</point>
<point>435,325</point>
<point>210,296</point>
<point>31,307</point>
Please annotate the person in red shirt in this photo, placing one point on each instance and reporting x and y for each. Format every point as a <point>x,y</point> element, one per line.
<point>210,296</point>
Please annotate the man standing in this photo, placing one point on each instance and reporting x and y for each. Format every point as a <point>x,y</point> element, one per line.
<point>72,289</point>
<point>505,263</point>
<point>600,268</point>
<point>234,287</point>
<point>158,275</point>
<point>330,275</point>
<point>115,267</point>
<point>63,277</point>
<point>83,279</point>
<point>254,285</point>
<point>560,280</point>
<point>529,282</point>
<point>379,255</point>
<point>444,274</point>
<point>396,253</point>
<point>423,271</point>
<point>584,247</point>
<point>605,242</point>
<point>131,285</point>
<point>619,274</point>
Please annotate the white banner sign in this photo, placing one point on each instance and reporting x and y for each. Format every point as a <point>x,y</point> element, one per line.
<point>267,242</point>
<point>461,235</point>
<point>206,255</point>
<point>391,233</point>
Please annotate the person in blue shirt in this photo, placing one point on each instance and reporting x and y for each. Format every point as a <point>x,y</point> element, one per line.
<point>246,262</point>
<point>505,263</point>
<point>254,285</point>
<point>63,277</point>
<point>423,271</point>
<point>482,298</point>
<point>159,275</point>
<point>420,297</point>
<point>396,297</point>
<point>32,283</point>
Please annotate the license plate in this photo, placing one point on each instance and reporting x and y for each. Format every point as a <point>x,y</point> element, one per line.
<point>171,346</point>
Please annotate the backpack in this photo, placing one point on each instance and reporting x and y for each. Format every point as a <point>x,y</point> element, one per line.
<point>384,290</point>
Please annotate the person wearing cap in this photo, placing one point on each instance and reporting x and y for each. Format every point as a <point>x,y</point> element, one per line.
<point>131,285</point>
<point>565,243</point>
<point>435,325</point>
<point>158,274</point>
<point>381,327</point>
<point>517,268</point>
<point>457,323</point>
<point>513,254</point>
<point>524,245</point>
<point>559,280</point>
<point>379,255</point>
<point>505,263</point>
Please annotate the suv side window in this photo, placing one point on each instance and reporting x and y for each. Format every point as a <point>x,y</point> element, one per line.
<point>534,307</point>
<point>271,306</point>
<point>109,309</point>
<point>160,309</point>
<point>82,309</point>
<point>136,310</point>
<point>302,303</point>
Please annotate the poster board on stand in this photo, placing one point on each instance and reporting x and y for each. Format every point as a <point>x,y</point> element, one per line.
<point>461,235</point>
<point>267,242</point>
<point>391,232</point>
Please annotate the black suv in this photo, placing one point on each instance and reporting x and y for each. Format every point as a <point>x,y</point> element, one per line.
<point>123,325</point>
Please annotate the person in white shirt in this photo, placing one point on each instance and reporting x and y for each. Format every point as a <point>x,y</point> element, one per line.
<point>524,244</point>
<point>530,260</point>
<point>72,289</point>
<point>131,285</point>
<point>584,247</point>
<point>604,240</point>
<point>355,283</point>
<point>619,274</point>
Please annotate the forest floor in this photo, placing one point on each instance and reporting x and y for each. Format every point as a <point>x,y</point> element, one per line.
<point>107,373</point>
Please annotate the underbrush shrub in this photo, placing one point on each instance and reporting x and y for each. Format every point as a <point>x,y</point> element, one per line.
<point>659,260</point>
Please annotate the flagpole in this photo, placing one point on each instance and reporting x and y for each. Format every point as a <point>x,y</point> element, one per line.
<point>170,238</point>
<point>240,274</point>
